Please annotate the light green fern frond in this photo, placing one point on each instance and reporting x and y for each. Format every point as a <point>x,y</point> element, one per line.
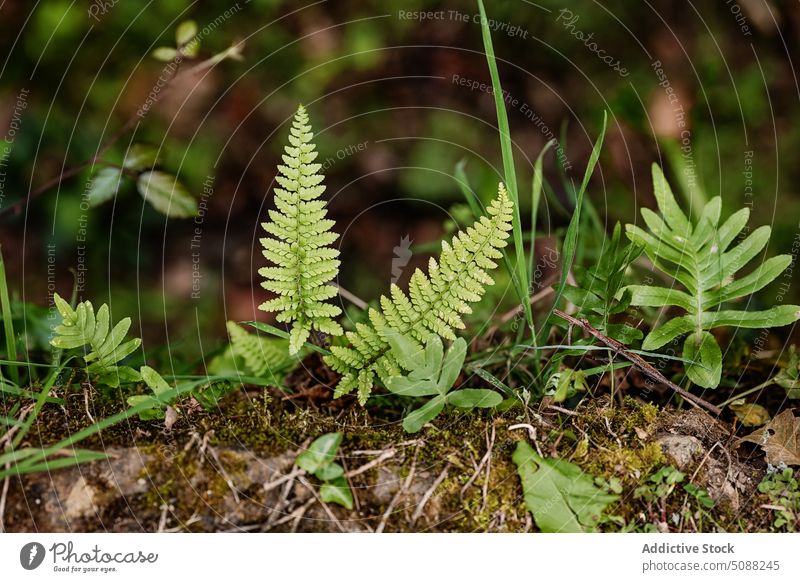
<point>103,345</point>
<point>261,355</point>
<point>304,262</point>
<point>703,256</point>
<point>435,302</point>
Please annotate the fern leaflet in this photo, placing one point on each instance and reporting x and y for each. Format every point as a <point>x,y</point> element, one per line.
<point>435,302</point>
<point>304,262</point>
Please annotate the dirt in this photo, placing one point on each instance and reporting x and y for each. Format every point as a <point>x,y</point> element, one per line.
<point>234,469</point>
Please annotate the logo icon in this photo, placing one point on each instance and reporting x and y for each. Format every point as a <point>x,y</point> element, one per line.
<point>31,555</point>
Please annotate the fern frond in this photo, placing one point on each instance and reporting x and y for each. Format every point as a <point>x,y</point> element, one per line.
<point>701,256</point>
<point>103,347</point>
<point>304,263</point>
<point>262,356</point>
<point>435,303</point>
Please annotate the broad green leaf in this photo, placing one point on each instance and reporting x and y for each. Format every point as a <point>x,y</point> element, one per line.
<point>104,185</point>
<point>337,491</point>
<point>739,256</point>
<point>474,398</point>
<point>774,317</point>
<point>561,497</point>
<point>703,348</point>
<point>623,333</point>
<point>185,32</point>
<point>667,332</point>
<point>451,367</point>
<point>166,194</point>
<point>405,386</point>
<point>731,228</point>
<point>409,353</point>
<point>321,452</point>
<point>706,227</point>
<point>154,381</point>
<point>140,157</point>
<point>329,472</point>
<point>164,53</point>
<point>434,354</point>
<point>421,416</point>
<point>659,296</point>
<point>762,276</point>
<point>582,298</point>
<point>112,341</point>
<point>210,395</point>
<point>668,206</point>
<point>154,412</point>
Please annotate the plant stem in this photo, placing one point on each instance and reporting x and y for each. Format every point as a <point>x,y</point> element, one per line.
<point>747,392</point>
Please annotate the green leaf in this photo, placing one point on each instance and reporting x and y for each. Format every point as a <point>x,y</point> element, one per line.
<point>140,157</point>
<point>659,296</point>
<point>762,276</point>
<point>409,353</point>
<point>474,398</point>
<point>337,491</point>
<point>329,472</point>
<point>561,497</point>
<point>164,53</point>
<point>154,381</point>
<point>185,32</point>
<point>703,348</point>
<point>210,395</point>
<point>104,185</point>
<point>405,386</point>
<point>451,367</point>
<point>154,412</point>
<point>669,331</point>
<point>166,194</point>
<point>322,452</point>
<point>571,236</point>
<point>423,415</point>
<point>665,199</point>
<point>774,317</point>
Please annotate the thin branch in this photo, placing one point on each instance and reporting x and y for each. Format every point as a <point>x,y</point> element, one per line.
<point>639,362</point>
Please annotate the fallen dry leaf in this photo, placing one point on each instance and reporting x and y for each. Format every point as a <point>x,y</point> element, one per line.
<point>780,439</point>
<point>750,414</point>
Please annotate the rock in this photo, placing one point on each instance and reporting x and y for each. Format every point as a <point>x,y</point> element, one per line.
<point>682,450</point>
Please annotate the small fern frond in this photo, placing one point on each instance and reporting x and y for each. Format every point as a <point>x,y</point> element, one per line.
<point>299,246</point>
<point>435,302</point>
<point>262,356</point>
<point>103,345</point>
<point>703,256</point>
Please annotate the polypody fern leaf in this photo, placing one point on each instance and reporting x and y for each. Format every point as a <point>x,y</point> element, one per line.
<point>103,344</point>
<point>299,248</point>
<point>701,255</point>
<point>435,302</point>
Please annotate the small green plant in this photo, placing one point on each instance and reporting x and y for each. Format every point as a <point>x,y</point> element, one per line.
<point>600,294</point>
<point>159,401</point>
<point>255,355</point>
<point>102,344</point>
<point>304,262</point>
<point>319,460</point>
<point>698,255</point>
<point>433,373</point>
<point>783,491</point>
<point>561,497</point>
<point>435,303</point>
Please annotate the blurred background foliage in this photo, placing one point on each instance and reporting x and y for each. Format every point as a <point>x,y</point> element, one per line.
<point>392,121</point>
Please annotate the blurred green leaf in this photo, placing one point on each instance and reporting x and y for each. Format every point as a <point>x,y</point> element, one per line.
<point>166,194</point>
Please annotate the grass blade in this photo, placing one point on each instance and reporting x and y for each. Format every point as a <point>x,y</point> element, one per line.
<point>519,274</point>
<point>571,237</point>
<point>469,195</point>
<point>8,323</point>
